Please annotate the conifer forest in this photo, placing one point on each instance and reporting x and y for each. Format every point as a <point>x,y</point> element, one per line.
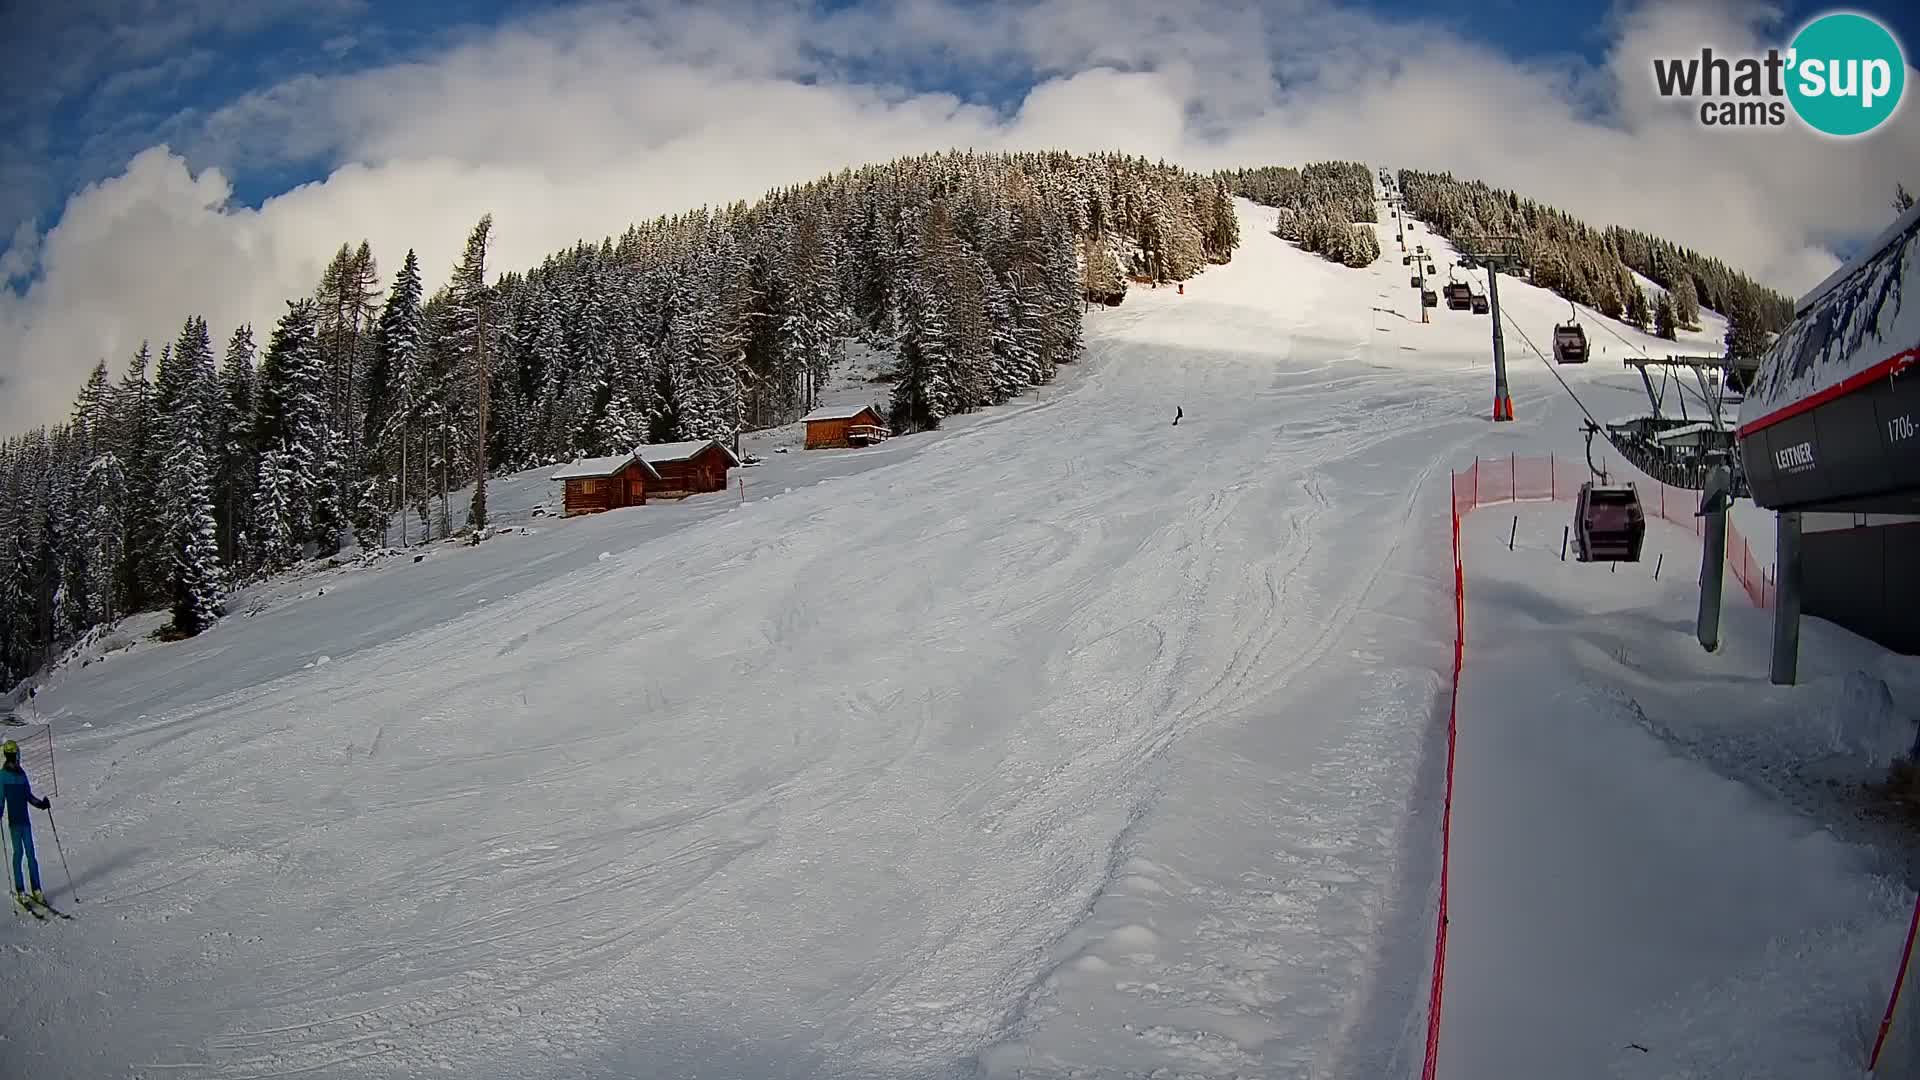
<point>215,457</point>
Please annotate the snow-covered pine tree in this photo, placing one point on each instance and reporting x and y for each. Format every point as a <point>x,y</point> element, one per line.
<point>1745,339</point>
<point>103,498</point>
<point>293,419</point>
<point>1686,302</point>
<point>392,388</point>
<point>68,537</point>
<point>1663,317</point>
<point>238,464</point>
<point>198,580</point>
<point>19,579</point>
<point>143,567</point>
<point>92,411</point>
<point>813,325</point>
<point>369,514</point>
<point>471,325</point>
<point>275,512</point>
<point>1639,311</point>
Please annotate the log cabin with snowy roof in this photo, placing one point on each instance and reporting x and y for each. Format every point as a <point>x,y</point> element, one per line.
<point>839,426</point>
<point>688,468</point>
<point>606,483</point>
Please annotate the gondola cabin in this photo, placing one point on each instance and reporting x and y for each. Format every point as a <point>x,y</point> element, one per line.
<point>606,483</point>
<point>1609,524</point>
<point>1480,304</point>
<point>1406,260</point>
<point>841,426</point>
<point>1569,344</point>
<point>1459,295</point>
<point>688,468</point>
<point>1414,281</point>
<point>1429,298</point>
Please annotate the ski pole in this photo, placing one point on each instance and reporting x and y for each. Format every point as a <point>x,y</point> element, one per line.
<point>63,855</point>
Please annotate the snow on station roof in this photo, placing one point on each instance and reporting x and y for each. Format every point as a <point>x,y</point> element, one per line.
<point>1859,325</point>
<point>1682,431</point>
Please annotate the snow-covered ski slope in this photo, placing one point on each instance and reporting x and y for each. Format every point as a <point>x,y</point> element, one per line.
<point>1066,739</point>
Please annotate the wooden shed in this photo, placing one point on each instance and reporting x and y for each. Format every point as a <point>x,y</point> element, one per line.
<point>844,425</point>
<point>688,468</point>
<point>607,483</point>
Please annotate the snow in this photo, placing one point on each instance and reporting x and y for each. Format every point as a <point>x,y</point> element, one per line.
<point>1062,741</point>
<point>590,468</point>
<point>1648,844</point>
<point>839,412</point>
<point>1854,321</point>
<point>660,453</point>
<point>1672,433</point>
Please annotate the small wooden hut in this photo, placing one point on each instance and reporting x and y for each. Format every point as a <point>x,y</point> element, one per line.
<point>844,425</point>
<point>688,468</point>
<point>606,483</point>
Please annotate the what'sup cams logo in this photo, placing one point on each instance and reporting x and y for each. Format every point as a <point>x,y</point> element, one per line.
<point>1842,75</point>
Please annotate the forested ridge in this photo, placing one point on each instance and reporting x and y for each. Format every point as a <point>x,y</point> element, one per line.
<point>1321,207</point>
<point>1590,266</point>
<point>189,474</point>
<point>201,467</point>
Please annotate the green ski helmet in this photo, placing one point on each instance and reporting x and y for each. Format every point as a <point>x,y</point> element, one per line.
<point>10,748</point>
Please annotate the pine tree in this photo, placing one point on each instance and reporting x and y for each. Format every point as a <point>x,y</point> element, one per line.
<point>1639,312</point>
<point>293,421</point>
<point>470,324</point>
<point>139,571</point>
<point>238,461</point>
<point>275,512</point>
<point>197,576</point>
<point>1664,318</point>
<point>1686,303</point>
<point>92,411</point>
<point>369,515</point>
<point>393,390</point>
<point>1745,338</point>
<point>19,578</point>
<point>104,499</point>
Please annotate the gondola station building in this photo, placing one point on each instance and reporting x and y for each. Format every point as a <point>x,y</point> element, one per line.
<point>1829,436</point>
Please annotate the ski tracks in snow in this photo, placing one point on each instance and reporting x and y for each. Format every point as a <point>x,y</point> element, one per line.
<point>1081,724</point>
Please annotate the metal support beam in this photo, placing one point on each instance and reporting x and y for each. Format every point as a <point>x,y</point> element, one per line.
<point>1653,396</point>
<point>1714,500</point>
<point>1493,259</point>
<point>1502,398</point>
<point>1786,609</point>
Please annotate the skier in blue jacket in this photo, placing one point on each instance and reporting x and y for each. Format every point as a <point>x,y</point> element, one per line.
<point>18,793</point>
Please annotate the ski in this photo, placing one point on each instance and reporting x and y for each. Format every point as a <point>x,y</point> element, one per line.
<point>26,905</point>
<point>42,904</point>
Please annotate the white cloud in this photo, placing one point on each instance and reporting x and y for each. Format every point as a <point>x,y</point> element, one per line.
<point>574,124</point>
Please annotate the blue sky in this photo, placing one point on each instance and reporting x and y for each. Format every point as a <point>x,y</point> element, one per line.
<point>88,84</point>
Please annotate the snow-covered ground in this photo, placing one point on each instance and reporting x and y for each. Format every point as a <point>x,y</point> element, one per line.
<point>1065,741</point>
<point>1651,873</point>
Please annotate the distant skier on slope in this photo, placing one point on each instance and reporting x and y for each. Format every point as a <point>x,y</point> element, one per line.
<point>1177,414</point>
<point>18,793</point>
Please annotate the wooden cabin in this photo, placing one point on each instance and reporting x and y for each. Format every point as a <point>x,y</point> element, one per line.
<point>606,483</point>
<point>688,468</point>
<point>844,425</point>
